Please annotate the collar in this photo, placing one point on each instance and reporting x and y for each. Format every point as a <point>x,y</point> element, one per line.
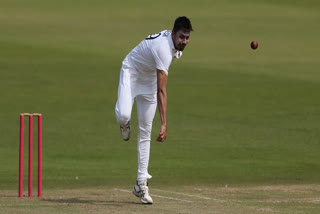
<point>177,54</point>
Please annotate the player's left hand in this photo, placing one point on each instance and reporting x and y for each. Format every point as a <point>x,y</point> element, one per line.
<point>163,134</point>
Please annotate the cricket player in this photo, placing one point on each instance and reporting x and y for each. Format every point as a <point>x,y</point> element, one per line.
<point>143,77</point>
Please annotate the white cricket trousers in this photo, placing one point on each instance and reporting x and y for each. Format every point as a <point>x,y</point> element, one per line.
<point>131,86</point>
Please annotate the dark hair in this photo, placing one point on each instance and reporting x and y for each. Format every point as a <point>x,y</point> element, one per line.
<point>182,23</point>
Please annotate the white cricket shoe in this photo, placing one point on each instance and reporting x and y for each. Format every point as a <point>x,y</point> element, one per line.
<point>142,191</point>
<point>125,131</point>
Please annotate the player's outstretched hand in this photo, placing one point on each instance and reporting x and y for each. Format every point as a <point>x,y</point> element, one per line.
<point>163,134</point>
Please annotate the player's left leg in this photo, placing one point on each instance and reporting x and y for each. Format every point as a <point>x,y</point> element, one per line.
<point>142,191</point>
<point>146,107</point>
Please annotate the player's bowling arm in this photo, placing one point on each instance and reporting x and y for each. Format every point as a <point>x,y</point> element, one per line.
<point>162,103</point>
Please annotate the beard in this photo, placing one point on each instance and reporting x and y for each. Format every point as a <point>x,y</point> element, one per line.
<point>179,46</point>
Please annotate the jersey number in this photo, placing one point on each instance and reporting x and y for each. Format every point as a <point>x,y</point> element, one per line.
<point>154,36</point>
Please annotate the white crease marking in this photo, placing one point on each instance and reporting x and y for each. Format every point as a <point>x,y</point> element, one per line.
<point>178,193</point>
<point>159,196</point>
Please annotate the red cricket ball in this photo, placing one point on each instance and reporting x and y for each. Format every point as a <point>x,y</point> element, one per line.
<point>254,44</point>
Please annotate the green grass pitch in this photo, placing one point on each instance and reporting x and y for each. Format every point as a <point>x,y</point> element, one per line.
<point>236,116</point>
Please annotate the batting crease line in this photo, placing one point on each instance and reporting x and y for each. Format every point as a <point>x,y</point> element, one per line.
<point>159,196</point>
<point>178,193</point>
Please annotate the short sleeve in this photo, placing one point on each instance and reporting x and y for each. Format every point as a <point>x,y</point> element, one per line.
<point>163,58</point>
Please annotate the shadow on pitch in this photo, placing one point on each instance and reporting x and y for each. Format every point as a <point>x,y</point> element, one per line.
<point>92,202</point>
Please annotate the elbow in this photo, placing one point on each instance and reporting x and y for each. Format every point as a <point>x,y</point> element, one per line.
<point>161,91</point>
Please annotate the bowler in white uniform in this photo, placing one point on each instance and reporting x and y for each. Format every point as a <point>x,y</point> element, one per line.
<point>143,77</point>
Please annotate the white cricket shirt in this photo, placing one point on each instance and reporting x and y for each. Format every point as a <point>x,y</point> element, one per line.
<point>154,52</point>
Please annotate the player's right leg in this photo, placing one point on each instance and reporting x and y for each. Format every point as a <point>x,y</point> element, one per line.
<point>124,103</point>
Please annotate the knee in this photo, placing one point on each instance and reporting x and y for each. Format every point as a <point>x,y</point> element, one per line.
<point>145,132</point>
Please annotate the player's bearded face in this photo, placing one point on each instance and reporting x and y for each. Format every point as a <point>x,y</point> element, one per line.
<point>180,39</point>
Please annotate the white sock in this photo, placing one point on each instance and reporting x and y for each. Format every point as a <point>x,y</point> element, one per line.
<point>142,182</point>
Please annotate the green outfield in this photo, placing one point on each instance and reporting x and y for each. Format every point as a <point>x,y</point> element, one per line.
<point>236,116</point>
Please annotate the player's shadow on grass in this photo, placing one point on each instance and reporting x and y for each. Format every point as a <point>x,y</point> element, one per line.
<point>92,202</point>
